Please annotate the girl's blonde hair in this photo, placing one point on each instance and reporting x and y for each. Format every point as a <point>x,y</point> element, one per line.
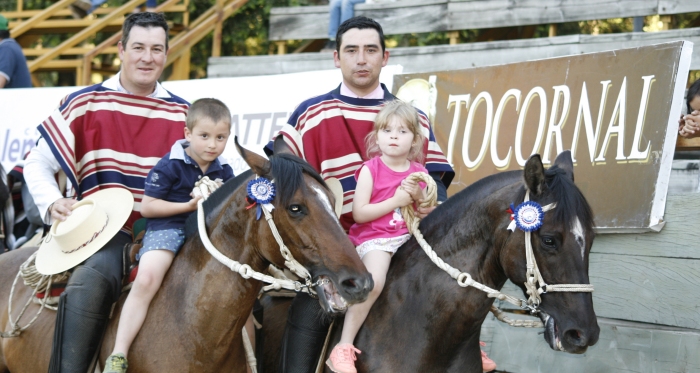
<point>409,116</point>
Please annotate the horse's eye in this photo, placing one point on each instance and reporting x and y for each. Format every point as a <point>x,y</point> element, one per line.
<point>295,209</point>
<point>548,242</point>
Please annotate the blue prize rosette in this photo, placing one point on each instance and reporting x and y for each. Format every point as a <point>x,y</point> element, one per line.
<point>528,216</point>
<point>262,191</point>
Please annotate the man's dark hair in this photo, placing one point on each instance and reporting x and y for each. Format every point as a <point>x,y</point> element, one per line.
<point>361,23</point>
<point>4,34</point>
<point>144,19</point>
<point>693,91</point>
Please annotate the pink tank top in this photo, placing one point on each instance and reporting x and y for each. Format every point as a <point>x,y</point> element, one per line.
<point>385,183</point>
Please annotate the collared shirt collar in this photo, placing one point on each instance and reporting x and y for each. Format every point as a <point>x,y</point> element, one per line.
<point>377,94</point>
<point>177,151</point>
<point>114,84</point>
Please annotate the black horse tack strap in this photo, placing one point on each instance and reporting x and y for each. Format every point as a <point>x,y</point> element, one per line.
<point>534,277</point>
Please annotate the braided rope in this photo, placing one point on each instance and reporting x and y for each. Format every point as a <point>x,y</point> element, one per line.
<point>40,283</point>
<point>463,279</point>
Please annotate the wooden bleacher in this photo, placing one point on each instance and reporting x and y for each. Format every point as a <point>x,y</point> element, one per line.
<point>79,55</point>
<point>417,16</point>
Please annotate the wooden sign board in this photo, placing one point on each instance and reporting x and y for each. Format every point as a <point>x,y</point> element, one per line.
<point>616,111</point>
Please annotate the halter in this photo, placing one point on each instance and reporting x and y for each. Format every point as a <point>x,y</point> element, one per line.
<point>245,270</point>
<point>532,274</point>
<point>464,279</point>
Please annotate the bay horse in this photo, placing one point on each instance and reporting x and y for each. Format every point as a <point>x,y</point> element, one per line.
<point>425,322</point>
<point>195,320</point>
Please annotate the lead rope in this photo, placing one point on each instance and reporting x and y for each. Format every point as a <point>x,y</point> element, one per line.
<point>40,283</point>
<point>465,280</point>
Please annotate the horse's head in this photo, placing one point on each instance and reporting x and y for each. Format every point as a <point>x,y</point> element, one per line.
<point>561,248</point>
<point>304,215</point>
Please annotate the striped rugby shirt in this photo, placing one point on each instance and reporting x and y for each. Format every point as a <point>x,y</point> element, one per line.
<point>104,137</point>
<point>329,131</point>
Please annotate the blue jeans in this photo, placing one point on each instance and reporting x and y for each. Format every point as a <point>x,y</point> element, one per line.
<point>341,11</point>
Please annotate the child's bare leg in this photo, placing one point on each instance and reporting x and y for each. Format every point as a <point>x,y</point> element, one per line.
<point>153,266</point>
<point>377,263</point>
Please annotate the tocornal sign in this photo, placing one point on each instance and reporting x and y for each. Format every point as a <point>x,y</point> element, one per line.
<point>616,111</point>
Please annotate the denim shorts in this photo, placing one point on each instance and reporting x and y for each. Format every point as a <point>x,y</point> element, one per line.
<point>164,239</point>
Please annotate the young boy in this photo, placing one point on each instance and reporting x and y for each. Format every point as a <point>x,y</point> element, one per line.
<point>167,202</point>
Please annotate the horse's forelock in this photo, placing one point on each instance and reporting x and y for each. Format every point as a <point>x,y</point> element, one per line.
<point>288,170</point>
<point>571,203</point>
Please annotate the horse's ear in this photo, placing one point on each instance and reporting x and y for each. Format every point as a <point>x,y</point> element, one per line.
<point>280,146</point>
<point>534,174</point>
<point>564,162</point>
<point>258,164</point>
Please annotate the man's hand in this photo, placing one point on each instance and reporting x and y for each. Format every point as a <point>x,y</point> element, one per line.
<point>62,208</point>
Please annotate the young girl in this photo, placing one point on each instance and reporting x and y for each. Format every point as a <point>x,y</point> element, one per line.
<point>167,202</point>
<point>395,147</point>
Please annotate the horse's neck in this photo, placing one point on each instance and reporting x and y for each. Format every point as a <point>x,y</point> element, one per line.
<point>471,239</point>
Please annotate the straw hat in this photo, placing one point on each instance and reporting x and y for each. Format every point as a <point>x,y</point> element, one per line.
<point>337,189</point>
<point>94,221</point>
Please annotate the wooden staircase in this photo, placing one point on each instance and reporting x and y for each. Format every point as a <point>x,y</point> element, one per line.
<point>79,55</point>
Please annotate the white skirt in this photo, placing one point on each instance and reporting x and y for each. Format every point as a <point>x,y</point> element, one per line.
<point>390,244</point>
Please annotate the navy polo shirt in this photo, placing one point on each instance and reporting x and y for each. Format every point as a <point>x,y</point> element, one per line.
<point>13,65</point>
<point>173,179</point>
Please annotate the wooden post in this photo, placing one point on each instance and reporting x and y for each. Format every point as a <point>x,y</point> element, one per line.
<point>181,67</point>
<point>281,47</point>
<point>552,30</point>
<point>666,21</point>
<point>79,76</point>
<point>216,47</point>
<point>454,37</point>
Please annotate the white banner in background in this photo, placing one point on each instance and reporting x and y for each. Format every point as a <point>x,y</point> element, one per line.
<point>259,106</point>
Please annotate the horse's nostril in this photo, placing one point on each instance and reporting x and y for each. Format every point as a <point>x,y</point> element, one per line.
<point>350,284</point>
<point>575,337</point>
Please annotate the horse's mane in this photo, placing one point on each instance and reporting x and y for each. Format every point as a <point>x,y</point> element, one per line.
<point>287,171</point>
<point>570,201</point>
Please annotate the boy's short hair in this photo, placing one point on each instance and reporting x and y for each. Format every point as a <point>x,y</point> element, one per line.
<point>208,108</point>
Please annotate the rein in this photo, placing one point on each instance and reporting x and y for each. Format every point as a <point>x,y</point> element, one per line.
<point>464,279</point>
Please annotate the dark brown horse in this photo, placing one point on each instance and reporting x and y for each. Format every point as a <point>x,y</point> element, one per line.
<point>195,320</point>
<point>425,322</point>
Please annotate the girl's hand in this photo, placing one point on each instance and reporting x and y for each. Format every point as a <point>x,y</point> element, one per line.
<point>402,197</point>
<point>413,188</point>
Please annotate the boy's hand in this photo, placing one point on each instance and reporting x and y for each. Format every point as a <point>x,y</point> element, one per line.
<point>192,204</point>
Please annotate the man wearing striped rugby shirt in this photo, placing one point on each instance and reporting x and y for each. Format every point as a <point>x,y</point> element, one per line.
<point>108,135</point>
<point>329,132</point>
